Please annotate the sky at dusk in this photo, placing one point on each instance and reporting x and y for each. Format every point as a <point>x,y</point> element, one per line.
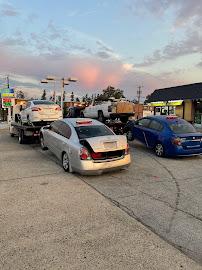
<point>123,43</point>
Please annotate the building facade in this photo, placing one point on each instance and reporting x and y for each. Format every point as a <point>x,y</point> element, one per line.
<point>184,101</point>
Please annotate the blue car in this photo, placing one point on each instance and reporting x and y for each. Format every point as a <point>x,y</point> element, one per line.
<point>166,135</point>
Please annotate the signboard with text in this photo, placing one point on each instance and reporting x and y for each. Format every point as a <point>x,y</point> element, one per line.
<point>7,92</point>
<point>7,102</point>
<point>8,95</point>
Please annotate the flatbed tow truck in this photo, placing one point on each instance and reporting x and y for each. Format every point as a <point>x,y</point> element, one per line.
<point>24,132</point>
<point>30,132</point>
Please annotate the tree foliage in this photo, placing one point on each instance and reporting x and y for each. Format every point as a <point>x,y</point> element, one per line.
<point>110,92</point>
<point>72,96</point>
<point>87,99</point>
<point>64,95</point>
<point>20,94</point>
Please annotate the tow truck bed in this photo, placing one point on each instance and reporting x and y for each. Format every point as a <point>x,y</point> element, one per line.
<point>24,132</point>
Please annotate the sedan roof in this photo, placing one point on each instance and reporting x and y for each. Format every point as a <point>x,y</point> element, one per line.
<point>163,118</point>
<point>75,122</point>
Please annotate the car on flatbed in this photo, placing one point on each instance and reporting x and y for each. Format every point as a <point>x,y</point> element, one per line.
<point>86,146</point>
<point>40,111</point>
<point>166,135</point>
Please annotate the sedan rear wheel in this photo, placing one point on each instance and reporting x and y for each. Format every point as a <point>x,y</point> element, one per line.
<point>65,162</point>
<point>43,147</point>
<point>159,150</point>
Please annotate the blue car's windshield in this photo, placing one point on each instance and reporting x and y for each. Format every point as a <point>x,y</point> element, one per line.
<point>181,126</point>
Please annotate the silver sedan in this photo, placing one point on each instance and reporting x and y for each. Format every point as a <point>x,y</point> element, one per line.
<point>86,146</point>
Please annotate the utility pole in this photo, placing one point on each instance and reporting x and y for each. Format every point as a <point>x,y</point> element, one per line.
<point>9,108</point>
<point>139,93</point>
<point>8,82</point>
<point>62,94</point>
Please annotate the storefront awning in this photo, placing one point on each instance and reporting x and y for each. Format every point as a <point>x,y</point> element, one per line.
<point>158,104</point>
<point>174,102</point>
<point>166,103</point>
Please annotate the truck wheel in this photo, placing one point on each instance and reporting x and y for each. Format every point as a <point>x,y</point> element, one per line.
<point>21,137</point>
<point>101,117</point>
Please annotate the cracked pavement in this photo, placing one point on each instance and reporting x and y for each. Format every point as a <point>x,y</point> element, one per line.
<point>53,220</point>
<point>162,193</point>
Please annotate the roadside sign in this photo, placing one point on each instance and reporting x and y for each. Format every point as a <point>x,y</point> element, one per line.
<point>7,95</point>
<point>7,91</point>
<point>7,102</point>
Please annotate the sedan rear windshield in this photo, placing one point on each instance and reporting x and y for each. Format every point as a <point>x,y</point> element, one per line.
<point>85,132</point>
<point>181,127</point>
<point>43,102</point>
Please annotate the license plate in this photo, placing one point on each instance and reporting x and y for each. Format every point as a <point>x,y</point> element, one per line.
<point>110,145</point>
<point>47,112</point>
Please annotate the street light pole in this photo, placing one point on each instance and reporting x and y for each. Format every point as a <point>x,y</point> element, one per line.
<point>54,96</point>
<point>50,78</point>
<point>62,93</point>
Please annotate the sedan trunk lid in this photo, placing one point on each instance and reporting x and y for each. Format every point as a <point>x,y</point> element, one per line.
<point>107,143</point>
<point>191,140</point>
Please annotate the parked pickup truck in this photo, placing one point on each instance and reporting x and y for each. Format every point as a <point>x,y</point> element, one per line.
<point>111,109</point>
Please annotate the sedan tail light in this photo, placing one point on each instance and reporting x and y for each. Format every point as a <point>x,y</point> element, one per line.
<point>58,109</point>
<point>36,109</point>
<point>127,150</point>
<point>84,154</point>
<point>177,141</point>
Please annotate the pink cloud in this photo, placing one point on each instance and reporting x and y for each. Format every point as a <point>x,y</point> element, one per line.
<point>93,74</point>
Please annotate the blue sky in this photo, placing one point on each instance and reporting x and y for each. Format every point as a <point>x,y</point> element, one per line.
<point>124,43</point>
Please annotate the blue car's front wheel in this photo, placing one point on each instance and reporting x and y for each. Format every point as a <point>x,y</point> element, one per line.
<point>159,150</point>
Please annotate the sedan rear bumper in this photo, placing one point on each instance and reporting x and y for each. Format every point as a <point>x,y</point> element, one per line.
<point>89,167</point>
<point>180,151</point>
<point>45,118</point>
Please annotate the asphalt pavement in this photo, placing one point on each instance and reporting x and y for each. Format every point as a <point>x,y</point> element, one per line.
<point>162,193</point>
<point>50,219</point>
